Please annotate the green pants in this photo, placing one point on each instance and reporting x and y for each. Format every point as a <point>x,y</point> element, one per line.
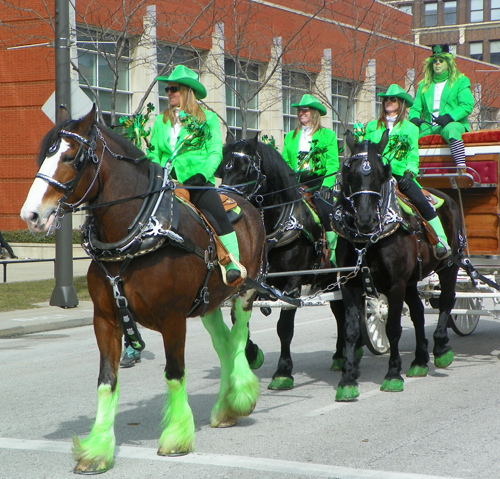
<point>452,131</point>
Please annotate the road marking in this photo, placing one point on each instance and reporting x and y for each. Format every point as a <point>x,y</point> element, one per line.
<point>224,460</point>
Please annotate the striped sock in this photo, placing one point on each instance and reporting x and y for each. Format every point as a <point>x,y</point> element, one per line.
<point>458,152</point>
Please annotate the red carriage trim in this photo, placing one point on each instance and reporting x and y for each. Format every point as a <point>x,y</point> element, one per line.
<point>481,136</point>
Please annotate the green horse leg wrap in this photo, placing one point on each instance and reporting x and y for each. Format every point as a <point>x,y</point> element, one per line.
<point>178,436</point>
<point>96,451</point>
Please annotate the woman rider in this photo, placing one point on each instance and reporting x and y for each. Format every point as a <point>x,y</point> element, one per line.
<point>312,151</point>
<point>405,167</point>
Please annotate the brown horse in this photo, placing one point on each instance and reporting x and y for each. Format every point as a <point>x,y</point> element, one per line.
<point>179,277</point>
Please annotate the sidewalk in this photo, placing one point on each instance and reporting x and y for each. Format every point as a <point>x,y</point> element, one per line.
<point>45,318</point>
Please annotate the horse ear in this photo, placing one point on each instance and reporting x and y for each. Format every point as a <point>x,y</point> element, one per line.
<point>87,122</point>
<point>63,114</point>
<point>387,172</point>
<point>349,138</point>
<point>254,141</point>
<point>383,142</point>
<point>229,137</point>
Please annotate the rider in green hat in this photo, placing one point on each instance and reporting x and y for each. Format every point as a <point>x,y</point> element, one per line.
<point>402,153</point>
<point>312,151</point>
<point>443,102</point>
<point>188,138</point>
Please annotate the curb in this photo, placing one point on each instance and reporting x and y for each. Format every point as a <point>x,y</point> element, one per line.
<point>17,331</point>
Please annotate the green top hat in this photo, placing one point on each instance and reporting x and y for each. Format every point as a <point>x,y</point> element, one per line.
<point>440,49</point>
<point>185,76</point>
<point>398,92</point>
<point>310,102</point>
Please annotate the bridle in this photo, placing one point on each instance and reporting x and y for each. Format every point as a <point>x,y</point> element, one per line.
<point>254,164</point>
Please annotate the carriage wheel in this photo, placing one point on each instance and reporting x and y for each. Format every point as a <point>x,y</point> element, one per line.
<point>373,327</point>
<point>465,324</point>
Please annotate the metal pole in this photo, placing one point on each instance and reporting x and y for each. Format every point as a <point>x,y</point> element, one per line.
<point>64,294</point>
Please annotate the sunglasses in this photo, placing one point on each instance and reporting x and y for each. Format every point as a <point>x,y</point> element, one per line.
<point>172,89</point>
<point>438,60</point>
<point>391,98</point>
<point>303,110</point>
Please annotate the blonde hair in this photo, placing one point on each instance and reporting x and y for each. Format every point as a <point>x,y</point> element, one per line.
<point>382,120</point>
<point>188,104</point>
<point>454,74</point>
<point>315,121</point>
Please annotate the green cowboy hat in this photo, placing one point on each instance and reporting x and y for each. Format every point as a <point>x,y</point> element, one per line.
<point>310,102</point>
<point>398,92</point>
<point>185,76</point>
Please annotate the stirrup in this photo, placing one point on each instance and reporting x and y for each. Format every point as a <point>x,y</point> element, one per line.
<point>243,272</point>
<point>446,253</point>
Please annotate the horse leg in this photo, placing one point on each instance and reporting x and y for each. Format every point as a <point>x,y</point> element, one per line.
<point>282,378</point>
<point>419,366</point>
<point>94,454</point>
<point>393,381</point>
<point>348,389</point>
<point>255,355</point>
<point>177,437</point>
<point>443,353</point>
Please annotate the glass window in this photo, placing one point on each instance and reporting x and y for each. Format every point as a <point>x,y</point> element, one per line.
<point>430,14</point>
<point>242,85</point>
<point>476,11</point>
<point>168,58</point>
<point>378,100</point>
<point>495,10</point>
<point>342,109</point>
<point>294,85</point>
<point>95,55</point>
<point>406,9</point>
<point>476,50</point>
<point>450,13</point>
<point>495,52</point>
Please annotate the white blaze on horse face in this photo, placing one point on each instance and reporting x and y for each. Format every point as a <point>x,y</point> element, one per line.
<point>34,207</point>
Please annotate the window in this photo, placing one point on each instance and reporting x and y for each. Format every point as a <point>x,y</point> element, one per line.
<point>96,53</point>
<point>430,14</point>
<point>242,86</point>
<point>476,50</point>
<point>378,100</point>
<point>294,85</point>
<point>495,10</point>
<point>342,109</point>
<point>171,56</point>
<point>476,11</point>
<point>406,8</point>
<point>495,52</point>
<point>450,13</point>
<point>453,48</point>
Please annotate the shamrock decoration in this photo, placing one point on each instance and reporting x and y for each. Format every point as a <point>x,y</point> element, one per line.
<point>134,126</point>
<point>269,140</point>
<point>310,161</point>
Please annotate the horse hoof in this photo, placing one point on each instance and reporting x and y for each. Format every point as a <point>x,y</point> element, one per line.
<point>392,385</point>
<point>445,360</point>
<point>281,384</point>
<point>90,467</point>
<point>417,372</point>
<point>347,393</point>
<point>258,361</point>
<point>172,453</point>
<point>337,365</point>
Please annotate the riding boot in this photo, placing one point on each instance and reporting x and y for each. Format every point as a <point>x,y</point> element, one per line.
<point>443,250</point>
<point>130,357</point>
<point>233,270</point>
<point>457,151</point>
<point>331,237</point>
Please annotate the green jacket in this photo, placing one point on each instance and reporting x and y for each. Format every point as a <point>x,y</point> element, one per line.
<point>204,160</point>
<point>410,160</point>
<point>330,159</point>
<point>456,101</point>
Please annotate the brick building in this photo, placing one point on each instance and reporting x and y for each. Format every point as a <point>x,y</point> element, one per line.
<point>263,54</point>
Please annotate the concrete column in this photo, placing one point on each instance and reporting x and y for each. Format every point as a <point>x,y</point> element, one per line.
<point>366,99</point>
<point>324,86</point>
<point>212,76</point>
<point>270,97</point>
<point>144,66</point>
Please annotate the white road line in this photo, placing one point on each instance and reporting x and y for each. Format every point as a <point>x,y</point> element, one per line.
<point>224,460</point>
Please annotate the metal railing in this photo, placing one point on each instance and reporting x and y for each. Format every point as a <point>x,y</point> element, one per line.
<point>6,262</point>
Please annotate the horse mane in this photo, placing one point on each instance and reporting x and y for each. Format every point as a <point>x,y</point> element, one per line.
<point>129,149</point>
<point>279,176</point>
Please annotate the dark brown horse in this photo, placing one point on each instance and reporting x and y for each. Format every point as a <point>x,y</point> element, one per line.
<point>82,161</point>
<point>391,263</point>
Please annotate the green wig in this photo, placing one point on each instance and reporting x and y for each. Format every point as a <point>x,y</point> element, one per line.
<point>429,71</point>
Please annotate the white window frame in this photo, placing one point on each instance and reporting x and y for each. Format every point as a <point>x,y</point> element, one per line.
<point>294,85</point>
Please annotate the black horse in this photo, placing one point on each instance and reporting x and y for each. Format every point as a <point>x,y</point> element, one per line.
<point>393,253</point>
<point>294,234</point>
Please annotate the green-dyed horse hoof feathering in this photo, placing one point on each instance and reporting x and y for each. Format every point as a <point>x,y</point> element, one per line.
<point>281,384</point>
<point>258,361</point>
<point>347,393</point>
<point>337,364</point>
<point>392,385</point>
<point>417,372</point>
<point>445,360</point>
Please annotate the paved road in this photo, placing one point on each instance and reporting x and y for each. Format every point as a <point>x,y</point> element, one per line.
<point>445,425</point>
